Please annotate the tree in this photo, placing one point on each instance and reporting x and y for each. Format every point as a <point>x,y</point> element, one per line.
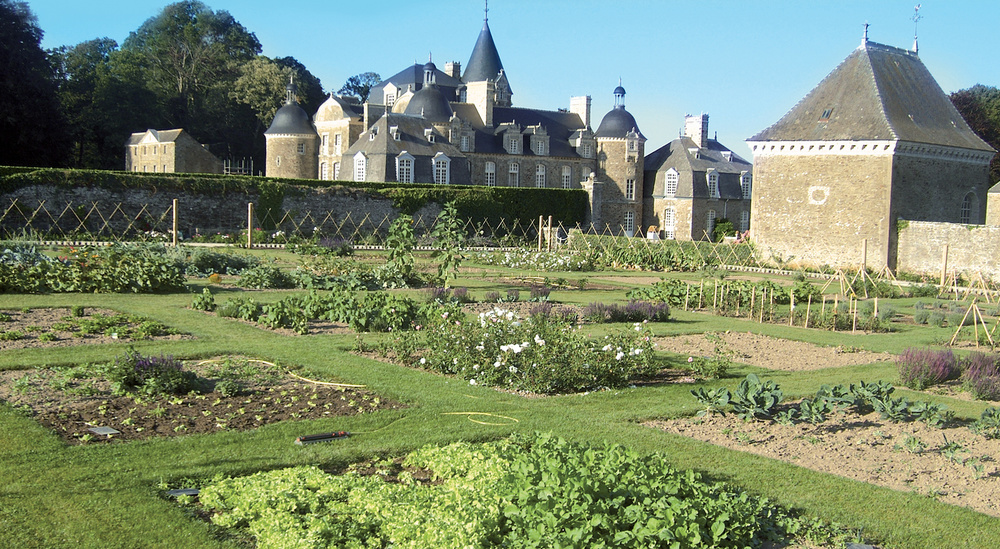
<point>191,56</point>
<point>30,120</point>
<point>261,86</point>
<point>980,107</point>
<point>360,85</point>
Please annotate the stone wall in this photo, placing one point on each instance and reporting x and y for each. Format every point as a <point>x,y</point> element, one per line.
<point>971,248</point>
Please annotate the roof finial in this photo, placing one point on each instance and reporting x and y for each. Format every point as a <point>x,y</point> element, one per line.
<point>916,19</point>
<point>486,13</point>
<point>864,40</point>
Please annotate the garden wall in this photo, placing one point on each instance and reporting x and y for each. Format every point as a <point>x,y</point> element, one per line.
<point>971,248</point>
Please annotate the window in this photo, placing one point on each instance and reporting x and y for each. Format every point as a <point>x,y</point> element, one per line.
<point>441,165</point>
<point>713,184</point>
<point>632,145</point>
<point>965,216</point>
<point>404,168</point>
<point>164,168</point>
<point>587,150</point>
<point>360,167</point>
<point>301,149</point>
<point>670,183</point>
<point>336,170</point>
<point>164,149</point>
<point>464,143</point>
<point>326,143</point>
<point>491,174</point>
<point>512,175</point>
<point>429,135</point>
<point>825,117</point>
<point>390,99</point>
<point>154,149</point>
<point>669,223</point>
<point>710,223</point>
<point>745,185</point>
<point>336,145</point>
<point>540,176</point>
<point>628,224</point>
<point>744,221</point>
<point>541,148</point>
<point>324,173</point>
<point>154,168</point>
<point>630,189</point>
<point>567,177</point>
<point>514,144</point>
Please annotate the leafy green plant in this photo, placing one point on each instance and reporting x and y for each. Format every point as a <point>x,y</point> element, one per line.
<point>933,414</point>
<point>894,410</point>
<point>149,375</point>
<point>814,410</point>
<point>914,445</point>
<point>398,269</point>
<point>755,398</point>
<point>448,238</point>
<point>988,424</point>
<point>204,301</point>
<point>714,400</point>
<point>262,277</point>
<point>77,310</point>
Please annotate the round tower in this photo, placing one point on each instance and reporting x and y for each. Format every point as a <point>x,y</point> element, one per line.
<point>292,142</point>
<point>620,159</point>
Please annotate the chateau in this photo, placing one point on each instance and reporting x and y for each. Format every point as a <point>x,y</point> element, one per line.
<point>875,146</point>
<point>425,125</point>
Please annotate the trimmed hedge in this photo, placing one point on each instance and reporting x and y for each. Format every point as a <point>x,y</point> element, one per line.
<point>491,204</point>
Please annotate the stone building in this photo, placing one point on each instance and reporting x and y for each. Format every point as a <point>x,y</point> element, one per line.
<point>292,142</point>
<point>694,181</point>
<point>171,151</point>
<point>877,141</point>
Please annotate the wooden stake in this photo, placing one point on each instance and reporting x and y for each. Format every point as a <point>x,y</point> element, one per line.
<point>715,298</point>
<point>808,306</point>
<point>854,315</point>
<point>701,294</point>
<point>770,308</point>
<point>944,264</point>
<point>753,297</point>
<point>763,296</point>
<point>791,307</point>
<point>687,294</point>
<point>249,225</point>
<point>175,222</point>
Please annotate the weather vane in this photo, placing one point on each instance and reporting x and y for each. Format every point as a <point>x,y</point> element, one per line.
<point>916,19</point>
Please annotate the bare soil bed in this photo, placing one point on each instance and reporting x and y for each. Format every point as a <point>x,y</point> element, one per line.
<point>910,457</point>
<point>58,327</point>
<point>71,405</point>
<point>772,353</point>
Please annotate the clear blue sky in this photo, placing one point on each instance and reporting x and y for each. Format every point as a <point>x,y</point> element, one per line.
<point>745,63</point>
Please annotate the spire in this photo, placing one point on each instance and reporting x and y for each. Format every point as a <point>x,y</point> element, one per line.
<point>484,64</point>
<point>486,14</point>
<point>290,91</point>
<point>864,39</point>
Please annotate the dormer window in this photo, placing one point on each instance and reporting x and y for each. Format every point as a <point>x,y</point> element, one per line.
<point>825,117</point>
<point>587,150</point>
<point>429,135</point>
<point>513,143</point>
<point>745,185</point>
<point>442,165</point>
<point>404,167</point>
<point>390,99</point>
<point>464,142</point>
<point>727,156</point>
<point>394,132</point>
<point>713,184</point>
<point>670,183</point>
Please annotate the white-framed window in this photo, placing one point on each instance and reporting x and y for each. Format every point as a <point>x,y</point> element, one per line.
<point>965,215</point>
<point>301,148</point>
<point>442,165</point>
<point>628,224</point>
<point>324,172</point>
<point>630,189</point>
<point>541,147</point>
<point>513,175</point>
<point>491,174</point>
<point>670,183</point>
<point>513,143</point>
<point>710,223</point>
<point>744,221</point>
<point>390,98</point>
<point>404,167</point>
<point>587,150</point>
<point>336,170</point>
<point>669,223</point>
<point>326,144</point>
<point>429,135</point>
<point>360,166</point>
<point>540,175</point>
<point>337,145</point>
<point>567,177</point>
<point>464,143</point>
<point>713,184</point>
<point>745,185</point>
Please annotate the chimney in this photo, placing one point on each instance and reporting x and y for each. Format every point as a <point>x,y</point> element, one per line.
<point>453,69</point>
<point>581,106</point>
<point>696,127</point>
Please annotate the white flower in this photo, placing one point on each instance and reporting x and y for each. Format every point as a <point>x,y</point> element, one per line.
<point>512,369</point>
<point>423,361</point>
<point>620,355</point>
<point>606,348</point>
<point>539,341</point>
<point>496,364</point>
<point>472,382</point>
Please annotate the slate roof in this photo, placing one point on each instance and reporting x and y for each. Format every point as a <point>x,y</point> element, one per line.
<point>431,104</point>
<point>161,136</point>
<point>484,64</point>
<point>878,93</point>
<point>291,119</point>
<point>411,139</point>
<point>617,123</point>
<point>559,125</point>
<point>413,76</point>
<point>677,154</point>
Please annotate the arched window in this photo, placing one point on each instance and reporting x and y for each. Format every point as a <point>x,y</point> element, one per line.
<point>442,165</point>
<point>969,205</point>
<point>669,223</point>
<point>360,167</point>
<point>713,184</point>
<point>745,185</point>
<point>404,167</point>
<point>491,174</point>
<point>540,175</point>
<point>567,177</point>
<point>670,186</point>
<point>324,173</point>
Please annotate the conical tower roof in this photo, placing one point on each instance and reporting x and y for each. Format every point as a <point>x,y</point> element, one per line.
<point>878,93</point>
<point>485,61</point>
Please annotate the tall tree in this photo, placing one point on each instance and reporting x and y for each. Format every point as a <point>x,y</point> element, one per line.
<point>980,107</point>
<point>262,82</point>
<point>31,125</point>
<point>360,85</point>
<point>191,56</point>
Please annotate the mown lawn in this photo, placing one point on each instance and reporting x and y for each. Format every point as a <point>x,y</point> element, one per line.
<point>105,496</point>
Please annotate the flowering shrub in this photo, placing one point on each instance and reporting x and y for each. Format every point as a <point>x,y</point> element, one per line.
<point>538,354</point>
<point>149,374</point>
<point>539,261</point>
<point>982,376</point>
<point>922,368</point>
<point>633,311</point>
